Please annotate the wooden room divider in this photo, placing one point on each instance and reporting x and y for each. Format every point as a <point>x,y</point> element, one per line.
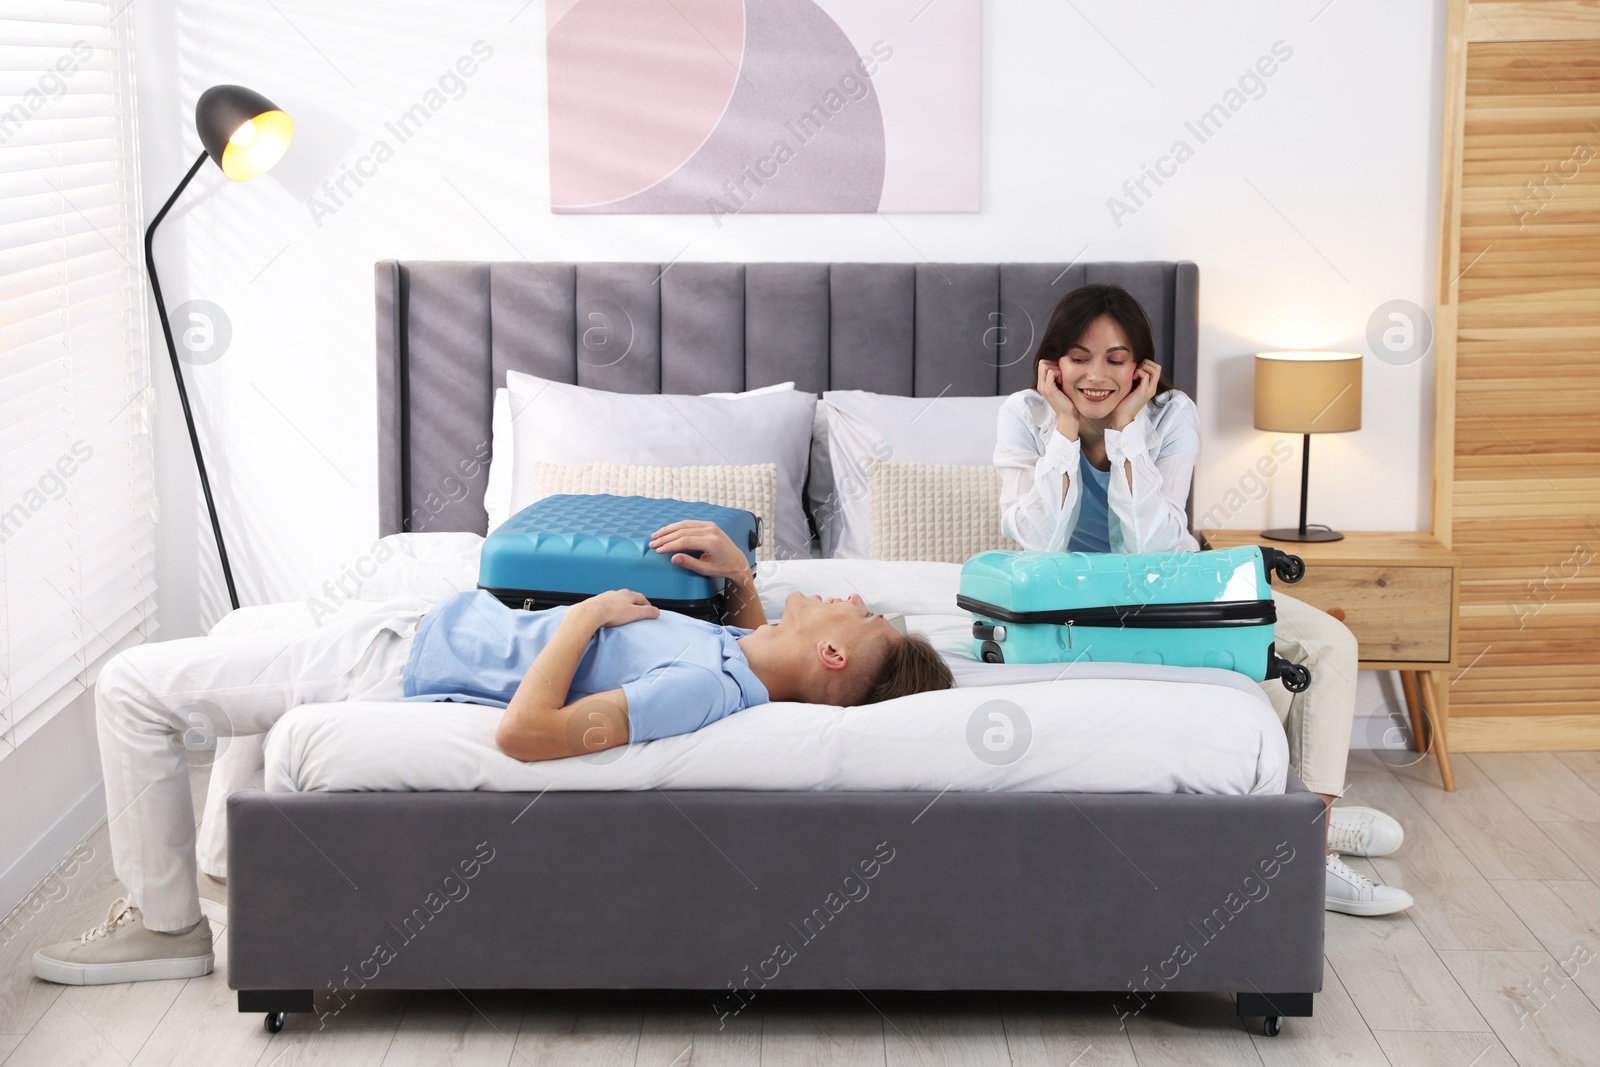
<point>1517,409</point>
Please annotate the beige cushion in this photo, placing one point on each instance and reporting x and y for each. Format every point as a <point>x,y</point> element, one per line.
<point>753,488</point>
<point>934,511</point>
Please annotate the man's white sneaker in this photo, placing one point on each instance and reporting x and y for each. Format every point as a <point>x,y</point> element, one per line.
<point>214,899</point>
<point>122,950</point>
<point>1363,832</point>
<point>1355,894</point>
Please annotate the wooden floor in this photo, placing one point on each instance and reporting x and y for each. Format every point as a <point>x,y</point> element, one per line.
<point>1498,963</point>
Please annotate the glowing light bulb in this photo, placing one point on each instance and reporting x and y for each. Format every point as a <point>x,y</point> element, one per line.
<point>244,134</point>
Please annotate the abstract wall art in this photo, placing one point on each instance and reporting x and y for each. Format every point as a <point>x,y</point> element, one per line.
<point>730,106</point>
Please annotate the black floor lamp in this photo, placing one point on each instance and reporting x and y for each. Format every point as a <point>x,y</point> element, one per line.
<point>246,135</point>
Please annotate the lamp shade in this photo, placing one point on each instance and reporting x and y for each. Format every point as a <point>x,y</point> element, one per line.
<point>1308,392</point>
<point>241,130</point>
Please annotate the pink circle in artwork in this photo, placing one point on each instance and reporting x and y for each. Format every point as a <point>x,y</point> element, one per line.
<point>636,86</point>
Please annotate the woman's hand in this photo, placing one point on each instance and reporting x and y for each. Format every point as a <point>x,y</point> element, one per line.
<point>616,608</point>
<point>1049,386</point>
<point>1146,379</point>
<point>718,556</point>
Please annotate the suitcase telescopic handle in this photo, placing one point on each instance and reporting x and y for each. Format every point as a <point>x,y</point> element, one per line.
<point>1289,567</point>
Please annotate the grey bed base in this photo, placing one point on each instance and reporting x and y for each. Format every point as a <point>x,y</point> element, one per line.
<point>735,893</point>
<point>738,893</point>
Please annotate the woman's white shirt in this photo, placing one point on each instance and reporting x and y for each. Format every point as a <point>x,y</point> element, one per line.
<point>1160,446</point>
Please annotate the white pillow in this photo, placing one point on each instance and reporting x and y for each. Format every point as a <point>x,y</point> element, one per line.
<point>855,426</point>
<point>913,588</point>
<point>753,488</point>
<point>497,490</point>
<point>428,564</point>
<point>569,424</point>
<point>781,387</point>
<point>942,512</point>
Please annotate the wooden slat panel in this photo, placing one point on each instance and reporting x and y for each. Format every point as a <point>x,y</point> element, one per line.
<point>1524,733</point>
<point>1550,70</point>
<point>1499,593</point>
<point>1548,633</point>
<point>1523,538</point>
<point>1533,20</point>
<point>1451,267</point>
<point>1467,707</point>
<point>1524,462</point>
<point>1557,465</point>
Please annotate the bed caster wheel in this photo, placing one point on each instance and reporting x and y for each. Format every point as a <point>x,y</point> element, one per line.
<point>1272,1025</point>
<point>991,653</point>
<point>273,1022</point>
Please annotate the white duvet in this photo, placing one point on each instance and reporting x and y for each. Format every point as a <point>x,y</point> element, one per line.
<point>1100,728</point>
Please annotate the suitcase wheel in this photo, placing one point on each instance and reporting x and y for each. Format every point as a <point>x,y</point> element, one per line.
<point>991,653</point>
<point>1295,677</point>
<point>1288,567</point>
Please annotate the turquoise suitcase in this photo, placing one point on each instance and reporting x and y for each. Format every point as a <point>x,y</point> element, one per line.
<point>565,548</point>
<point>1185,609</point>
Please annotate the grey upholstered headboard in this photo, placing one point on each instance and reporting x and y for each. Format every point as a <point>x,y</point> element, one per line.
<point>448,331</point>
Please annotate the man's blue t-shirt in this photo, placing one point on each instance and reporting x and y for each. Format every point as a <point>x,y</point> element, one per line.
<point>677,673</point>
<point>1093,530</point>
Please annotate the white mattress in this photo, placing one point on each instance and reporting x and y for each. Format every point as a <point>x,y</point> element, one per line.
<point>1101,728</point>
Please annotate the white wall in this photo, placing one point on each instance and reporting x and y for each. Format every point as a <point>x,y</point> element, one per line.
<point>1312,206</point>
<point>52,794</point>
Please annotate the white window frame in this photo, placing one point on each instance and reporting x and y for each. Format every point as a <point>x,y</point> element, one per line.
<point>77,493</point>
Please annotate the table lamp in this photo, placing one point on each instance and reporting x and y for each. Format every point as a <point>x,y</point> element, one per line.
<point>246,134</point>
<point>1307,393</point>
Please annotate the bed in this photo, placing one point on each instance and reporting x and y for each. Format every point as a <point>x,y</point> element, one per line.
<point>361,868</point>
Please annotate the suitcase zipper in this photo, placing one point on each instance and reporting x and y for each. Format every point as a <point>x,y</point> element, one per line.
<point>1142,616</point>
<point>536,600</point>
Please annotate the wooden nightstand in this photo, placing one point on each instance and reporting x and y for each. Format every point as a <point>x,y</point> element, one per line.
<point>1398,593</point>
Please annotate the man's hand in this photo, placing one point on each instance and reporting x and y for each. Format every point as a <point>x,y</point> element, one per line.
<point>538,723</point>
<point>719,556</point>
<point>616,608</point>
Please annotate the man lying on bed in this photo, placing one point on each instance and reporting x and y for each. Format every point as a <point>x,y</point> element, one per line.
<point>607,671</point>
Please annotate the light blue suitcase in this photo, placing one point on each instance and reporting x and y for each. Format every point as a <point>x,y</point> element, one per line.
<point>565,548</point>
<point>1186,609</point>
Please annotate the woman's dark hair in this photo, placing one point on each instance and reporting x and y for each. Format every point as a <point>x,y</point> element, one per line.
<point>1078,310</point>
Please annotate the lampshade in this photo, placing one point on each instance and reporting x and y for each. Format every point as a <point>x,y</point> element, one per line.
<point>1308,392</point>
<point>242,130</point>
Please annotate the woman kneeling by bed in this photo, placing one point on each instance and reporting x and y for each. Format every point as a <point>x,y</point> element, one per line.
<point>1098,457</point>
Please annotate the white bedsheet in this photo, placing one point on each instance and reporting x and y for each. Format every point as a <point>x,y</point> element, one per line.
<point>1077,734</point>
<point>1095,728</point>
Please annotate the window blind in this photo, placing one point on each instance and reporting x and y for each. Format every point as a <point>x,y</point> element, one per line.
<point>77,547</point>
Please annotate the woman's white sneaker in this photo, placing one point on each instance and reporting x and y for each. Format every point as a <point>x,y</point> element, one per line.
<point>1355,894</point>
<point>122,950</point>
<point>1363,832</point>
<point>213,898</point>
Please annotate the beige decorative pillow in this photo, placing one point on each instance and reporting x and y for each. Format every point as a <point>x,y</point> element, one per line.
<point>753,488</point>
<point>934,511</point>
